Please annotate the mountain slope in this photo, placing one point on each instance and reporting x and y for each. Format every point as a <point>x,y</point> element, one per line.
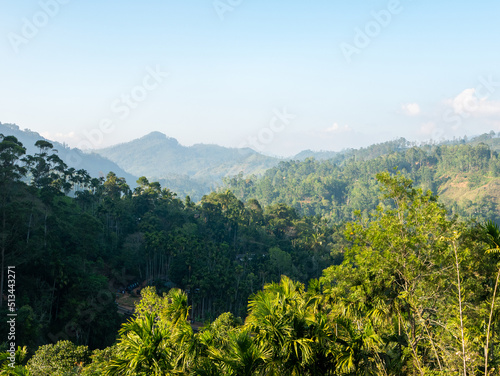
<point>95,164</point>
<point>162,158</point>
<point>465,176</point>
<point>369,152</point>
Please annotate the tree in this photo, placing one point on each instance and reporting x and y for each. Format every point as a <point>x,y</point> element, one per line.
<point>58,359</point>
<point>156,341</point>
<point>100,361</point>
<point>491,236</point>
<point>144,348</point>
<point>18,368</point>
<point>293,333</point>
<point>241,356</point>
<point>48,172</point>
<point>395,277</point>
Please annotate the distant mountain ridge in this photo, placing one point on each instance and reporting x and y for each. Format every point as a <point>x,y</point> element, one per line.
<point>397,145</point>
<point>185,169</point>
<point>196,170</point>
<point>199,169</point>
<point>96,165</point>
<point>157,155</point>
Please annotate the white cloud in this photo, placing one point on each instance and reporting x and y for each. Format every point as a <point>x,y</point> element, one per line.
<point>467,103</point>
<point>335,128</point>
<point>411,109</point>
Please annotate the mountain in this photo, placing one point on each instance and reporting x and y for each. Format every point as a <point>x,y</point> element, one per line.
<point>95,164</point>
<point>199,169</point>
<point>319,155</point>
<point>193,170</point>
<point>366,153</point>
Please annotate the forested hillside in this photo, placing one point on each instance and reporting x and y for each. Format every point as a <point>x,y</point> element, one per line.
<point>73,254</point>
<point>416,294</point>
<point>465,176</point>
<point>381,280</point>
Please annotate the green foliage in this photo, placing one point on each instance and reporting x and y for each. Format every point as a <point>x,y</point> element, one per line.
<point>410,290</point>
<point>403,301</point>
<point>16,367</point>
<point>100,361</point>
<point>144,348</point>
<point>465,175</point>
<point>60,359</point>
<point>291,328</point>
<point>409,282</point>
<point>73,253</point>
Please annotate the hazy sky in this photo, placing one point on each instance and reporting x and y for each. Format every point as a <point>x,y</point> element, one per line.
<point>277,76</point>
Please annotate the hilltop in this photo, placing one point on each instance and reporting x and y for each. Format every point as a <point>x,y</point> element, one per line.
<point>95,164</point>
<point>193,170</point>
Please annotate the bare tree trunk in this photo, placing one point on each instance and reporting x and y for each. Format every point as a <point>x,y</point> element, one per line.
<point>457,264</point>
<point>45,230</point>
<point>203,308</point>
<point>29,226</point>
<point>52,299</point>
<point>488,331</point>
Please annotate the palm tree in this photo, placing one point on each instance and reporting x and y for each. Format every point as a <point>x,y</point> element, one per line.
<point>216,335</point>
<point>177,309</point>
<point>143,349</point>
<point>242,356</point>
<point>18,369</point>
<point>159,340</point>
<point>283,319</point>
<point>359,354</point>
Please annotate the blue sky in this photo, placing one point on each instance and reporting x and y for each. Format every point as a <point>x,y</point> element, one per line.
<point>280,77</point>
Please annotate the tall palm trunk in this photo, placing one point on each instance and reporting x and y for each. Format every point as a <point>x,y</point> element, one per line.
<point>460,309</point>
<point>488,331</point>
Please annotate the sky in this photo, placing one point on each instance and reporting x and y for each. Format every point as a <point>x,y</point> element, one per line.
<point>279,77</point>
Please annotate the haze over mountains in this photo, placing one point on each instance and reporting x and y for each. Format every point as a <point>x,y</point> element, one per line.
<point>185,169</point>
<point>193,170</point>
<point>199,169</point>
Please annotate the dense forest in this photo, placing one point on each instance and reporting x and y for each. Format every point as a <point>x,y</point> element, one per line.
<point>77,240</point>
<point>465,175</point>
<point>337,267</point>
